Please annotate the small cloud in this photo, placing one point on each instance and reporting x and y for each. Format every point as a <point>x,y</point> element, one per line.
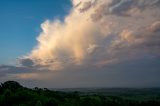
<point>6,70</point>
<point>26,62</point>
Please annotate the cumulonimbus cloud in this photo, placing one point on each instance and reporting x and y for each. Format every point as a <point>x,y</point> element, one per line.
<point>97,33</point>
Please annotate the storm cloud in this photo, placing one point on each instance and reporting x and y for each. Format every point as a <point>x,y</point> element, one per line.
<point>97,32</point>
<point>100,42</point>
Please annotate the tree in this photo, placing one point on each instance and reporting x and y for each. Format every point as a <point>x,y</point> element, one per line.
<point>12,85</point>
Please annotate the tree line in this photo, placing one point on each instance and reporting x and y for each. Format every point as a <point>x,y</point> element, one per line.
<point>14,94</point>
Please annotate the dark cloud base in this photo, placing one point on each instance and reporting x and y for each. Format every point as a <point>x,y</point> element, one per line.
<point>137,73</point>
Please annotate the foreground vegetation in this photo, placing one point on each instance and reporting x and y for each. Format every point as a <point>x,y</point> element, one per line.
<point>13,94</point>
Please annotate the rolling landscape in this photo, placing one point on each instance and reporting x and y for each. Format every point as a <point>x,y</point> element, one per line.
<point>14,94</point>
<point>79,52</point>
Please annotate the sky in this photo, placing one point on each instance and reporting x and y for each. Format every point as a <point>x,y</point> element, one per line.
<point>80,43</point>
<point>20,24</point>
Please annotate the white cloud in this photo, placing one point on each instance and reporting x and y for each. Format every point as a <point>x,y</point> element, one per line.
<point>98,32</point>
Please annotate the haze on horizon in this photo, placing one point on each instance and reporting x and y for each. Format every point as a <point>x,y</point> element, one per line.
<point>80,43</point>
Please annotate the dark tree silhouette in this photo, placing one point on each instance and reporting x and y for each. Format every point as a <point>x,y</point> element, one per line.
<point>11,85</point>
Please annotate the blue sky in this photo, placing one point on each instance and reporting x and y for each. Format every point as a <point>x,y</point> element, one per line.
<point>20,22</point>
